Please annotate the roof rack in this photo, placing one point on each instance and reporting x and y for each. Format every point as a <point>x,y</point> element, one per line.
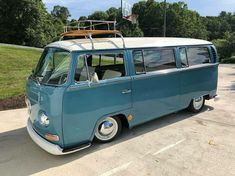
<point>90,25</point>
<point>81,29</point>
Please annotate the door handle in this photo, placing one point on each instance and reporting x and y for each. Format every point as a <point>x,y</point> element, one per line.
<point>126,91</point>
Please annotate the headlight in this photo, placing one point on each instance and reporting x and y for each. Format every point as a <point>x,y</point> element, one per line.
<point>44,120</point>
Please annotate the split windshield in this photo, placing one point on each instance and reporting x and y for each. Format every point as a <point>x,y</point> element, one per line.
<point>53,67</point>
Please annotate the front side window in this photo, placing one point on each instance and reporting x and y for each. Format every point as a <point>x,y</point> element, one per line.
<point>53,67</point>
<point>154,60</point>
<point>198,55</point>
<point>95,67</point>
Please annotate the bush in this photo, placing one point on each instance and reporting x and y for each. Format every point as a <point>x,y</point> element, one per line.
<point>226,47</point>
<point>229,60</point>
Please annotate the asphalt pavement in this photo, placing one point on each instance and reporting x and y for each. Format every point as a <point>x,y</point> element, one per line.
<point>182,144</point>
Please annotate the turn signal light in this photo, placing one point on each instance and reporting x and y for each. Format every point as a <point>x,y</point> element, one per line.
<point>130,117</point>
<point>51,137</point>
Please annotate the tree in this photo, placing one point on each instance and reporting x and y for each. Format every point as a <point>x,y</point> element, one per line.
<point>83,18</point>
<point>226,46</point>
<point>112,14</point>
<point>219,25</point>
<point>98,15</point>
<point>181,22</point>
<point>61,13</point>
<point>26,23</point>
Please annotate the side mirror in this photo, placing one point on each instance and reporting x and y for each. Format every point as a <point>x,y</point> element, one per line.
<point>33,71</point>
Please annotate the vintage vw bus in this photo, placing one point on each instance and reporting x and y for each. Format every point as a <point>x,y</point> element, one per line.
<point>89,89</point>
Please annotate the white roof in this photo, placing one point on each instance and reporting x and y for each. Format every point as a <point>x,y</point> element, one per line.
<point>116,43</point>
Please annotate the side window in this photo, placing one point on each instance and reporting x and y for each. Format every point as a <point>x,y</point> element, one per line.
<point>96,59</point>
<point>151,60</point>
<point>138,61</point>
<point>81,70</point>
<point>198,55</point>
<point>110,66</point>
<point>161,59</point>
<point>112,59</point>
<point>97,67</point>
<point>183,57</point>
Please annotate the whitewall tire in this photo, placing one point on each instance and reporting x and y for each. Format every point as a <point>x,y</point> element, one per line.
<point>108,129</point>
<point>197,104</point>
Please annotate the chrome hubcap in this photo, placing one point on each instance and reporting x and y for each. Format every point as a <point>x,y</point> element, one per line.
<point>107,129</point>
<point>197,103</point>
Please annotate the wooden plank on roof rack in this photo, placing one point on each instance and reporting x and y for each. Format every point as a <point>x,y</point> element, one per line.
<point>83,33</point>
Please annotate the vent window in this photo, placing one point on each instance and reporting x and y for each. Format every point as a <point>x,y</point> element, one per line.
<point>214,54</point>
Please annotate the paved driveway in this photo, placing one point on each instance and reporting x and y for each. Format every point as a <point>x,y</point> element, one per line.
<point>177,144</point>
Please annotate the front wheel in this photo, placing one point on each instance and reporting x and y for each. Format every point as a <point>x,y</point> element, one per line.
<point>108,129</point>
<point>197,104</point>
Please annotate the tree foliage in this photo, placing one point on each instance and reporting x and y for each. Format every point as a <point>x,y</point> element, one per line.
<point>181,22</point>
<point>113,14</point>
<point>29,23</point>
<point>26,23</point>
<point>226,46</point>
<point>61,13</point>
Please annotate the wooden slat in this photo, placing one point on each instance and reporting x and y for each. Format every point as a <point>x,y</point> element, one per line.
<point>83,33</point>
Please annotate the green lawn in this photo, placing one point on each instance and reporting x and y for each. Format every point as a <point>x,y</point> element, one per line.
<point>15,66</point>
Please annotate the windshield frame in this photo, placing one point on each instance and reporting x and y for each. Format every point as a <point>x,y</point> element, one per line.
<point>34,77</point>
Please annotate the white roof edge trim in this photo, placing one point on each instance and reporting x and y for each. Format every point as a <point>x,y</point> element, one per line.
<point>117,43</point>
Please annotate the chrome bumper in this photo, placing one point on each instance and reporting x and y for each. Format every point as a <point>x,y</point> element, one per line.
<point>216,98</point>
<point>47,146</point>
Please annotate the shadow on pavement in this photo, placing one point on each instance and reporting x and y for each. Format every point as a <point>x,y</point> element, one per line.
<point>20,156</point>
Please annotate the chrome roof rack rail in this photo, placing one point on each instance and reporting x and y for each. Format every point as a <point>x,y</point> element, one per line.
<point>89,31</point>
<point>90,25</point>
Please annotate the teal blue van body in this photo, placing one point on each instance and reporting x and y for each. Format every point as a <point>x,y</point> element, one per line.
<point>75,109</point>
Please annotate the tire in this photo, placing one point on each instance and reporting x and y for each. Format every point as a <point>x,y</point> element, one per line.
<point>197,104</point>
<point>108,129</point>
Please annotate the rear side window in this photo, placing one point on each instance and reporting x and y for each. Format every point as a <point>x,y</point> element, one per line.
<point>198,55</point>
<point>154,60</point>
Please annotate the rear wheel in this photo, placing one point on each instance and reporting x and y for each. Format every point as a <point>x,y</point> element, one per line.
<point>197,104</point>
<point>108,129</point>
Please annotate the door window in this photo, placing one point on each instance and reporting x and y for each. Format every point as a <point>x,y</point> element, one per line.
<point>100,67</point>
<point>139,61</point>
<point>81,70</point>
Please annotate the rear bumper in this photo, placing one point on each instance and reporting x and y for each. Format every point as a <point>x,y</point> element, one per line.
<point>47,146</point>
<point>215,97</point>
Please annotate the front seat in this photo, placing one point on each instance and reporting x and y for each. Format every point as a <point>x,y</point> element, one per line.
<point>109,74</point>
<point>83,75</point>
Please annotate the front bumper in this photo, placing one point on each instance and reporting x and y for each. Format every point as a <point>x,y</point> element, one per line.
<point>47,146</point>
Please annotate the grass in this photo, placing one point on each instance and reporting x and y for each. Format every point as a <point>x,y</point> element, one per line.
<point>16,65</point>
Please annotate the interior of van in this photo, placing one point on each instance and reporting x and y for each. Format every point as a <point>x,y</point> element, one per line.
<point>99,67</point>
